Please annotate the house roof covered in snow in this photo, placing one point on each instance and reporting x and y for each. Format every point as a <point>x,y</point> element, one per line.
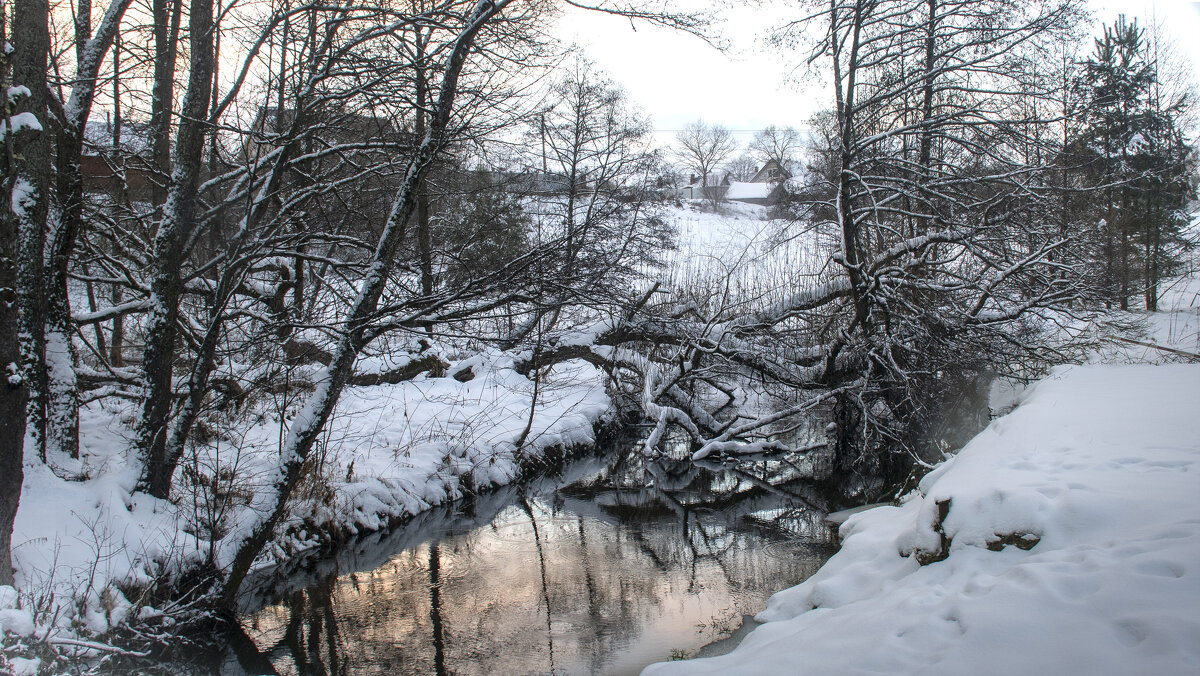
<point>740,190</point>
<point>98,137</point>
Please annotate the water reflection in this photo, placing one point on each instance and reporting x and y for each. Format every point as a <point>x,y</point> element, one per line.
<point>604,569</point>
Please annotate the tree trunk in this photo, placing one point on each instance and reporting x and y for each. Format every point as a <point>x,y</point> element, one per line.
<point>175,229</point>
<point>167,17</point>
<point>1123,261</point>
<point>62,406</point>
<point>116,342</point>
<point>205,357</point>
<point>32,169</point>
<point>424,236</point>
<point>926,149</point>
<point>12,391</point>
<point>851,248</point>
<point>24,170</point>
<point>1153,246</point>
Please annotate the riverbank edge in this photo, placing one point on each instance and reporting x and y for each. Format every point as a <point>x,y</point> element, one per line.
<point>805,628</point>
<point>327,538</point>
<point>183,602</point>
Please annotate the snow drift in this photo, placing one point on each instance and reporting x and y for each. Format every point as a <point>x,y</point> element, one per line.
<point>1097,472</point>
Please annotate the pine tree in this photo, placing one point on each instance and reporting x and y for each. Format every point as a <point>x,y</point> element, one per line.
<point>1137,159</point>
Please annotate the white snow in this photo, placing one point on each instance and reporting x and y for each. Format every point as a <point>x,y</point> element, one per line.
<point>1099,463</point>
<point>13,619</point>
<point>25,667</point>
<point>1102,464</point>
<point>23,195</point>
<point>388,452</point>
<point>13,374</point>
<point>741,190</point>
<point>424,442</point>
<point>20,122</point>
<point>740,251</point>
<point>16,92</point>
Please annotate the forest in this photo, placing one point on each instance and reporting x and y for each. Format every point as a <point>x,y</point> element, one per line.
<point>230,229</point>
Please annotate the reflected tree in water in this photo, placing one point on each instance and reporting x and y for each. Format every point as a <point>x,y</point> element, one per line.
<point>620,549</point>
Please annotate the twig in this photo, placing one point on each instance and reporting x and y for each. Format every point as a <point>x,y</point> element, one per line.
<point>92,645</point>
<point>1182,353</point>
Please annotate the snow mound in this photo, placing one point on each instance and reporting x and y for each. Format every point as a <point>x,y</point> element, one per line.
<point>1065,538</point>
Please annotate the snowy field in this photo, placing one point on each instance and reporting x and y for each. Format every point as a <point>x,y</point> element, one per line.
<point>1098,468</point>
<point>740,254</point>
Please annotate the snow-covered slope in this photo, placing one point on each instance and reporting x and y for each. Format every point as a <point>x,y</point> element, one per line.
<point>1100,465</point>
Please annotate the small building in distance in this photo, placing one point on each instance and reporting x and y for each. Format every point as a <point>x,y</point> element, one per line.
<point>116,159</point>
<point>771,172</point>
<point>765,188</point>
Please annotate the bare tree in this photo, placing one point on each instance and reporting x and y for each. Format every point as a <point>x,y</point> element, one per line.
<point>62,410</point>
<point>783,145</point>
<point>942,267</point>
<point>743,167</point>
<point>175,231</point>
<point>702,149</point>
<point>598,150</point>
<point>945,257</point>
<point>357,331</point>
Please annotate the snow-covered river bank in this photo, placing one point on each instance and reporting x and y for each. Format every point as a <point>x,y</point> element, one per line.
<point>606,566</point>
<point>1098,469</point>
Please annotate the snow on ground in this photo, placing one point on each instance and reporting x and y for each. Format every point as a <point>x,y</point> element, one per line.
<point>1102,465</point>
<point>390,451</point>
<point>1177,323</point>
<point>703,232</point>
<point>431,440</point>
<point>740,254</point>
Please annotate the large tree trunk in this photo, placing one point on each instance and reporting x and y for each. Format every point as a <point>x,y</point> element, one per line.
<point>62,406</point>
<point>175,229</point>
<point>12,391</point>
<point>30,162</point>
<point>25,170</point>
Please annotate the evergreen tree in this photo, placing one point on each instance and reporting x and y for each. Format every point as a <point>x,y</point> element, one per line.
<point>1136,157</point>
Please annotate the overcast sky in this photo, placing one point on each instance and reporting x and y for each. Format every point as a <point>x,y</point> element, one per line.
<point>677,78</point>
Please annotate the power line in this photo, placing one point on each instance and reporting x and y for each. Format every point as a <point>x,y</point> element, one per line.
<point>732,131</point>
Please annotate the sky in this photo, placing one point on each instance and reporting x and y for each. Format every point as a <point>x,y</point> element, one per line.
<point>677,78</point>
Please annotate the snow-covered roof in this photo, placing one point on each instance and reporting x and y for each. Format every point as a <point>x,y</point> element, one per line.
<point>739,190</point>
<point>97,137</point>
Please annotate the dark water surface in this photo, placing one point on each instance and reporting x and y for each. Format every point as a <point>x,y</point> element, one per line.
<point>602,568</point>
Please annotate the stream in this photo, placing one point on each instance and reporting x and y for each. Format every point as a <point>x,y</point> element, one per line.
<point>602,566</point>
